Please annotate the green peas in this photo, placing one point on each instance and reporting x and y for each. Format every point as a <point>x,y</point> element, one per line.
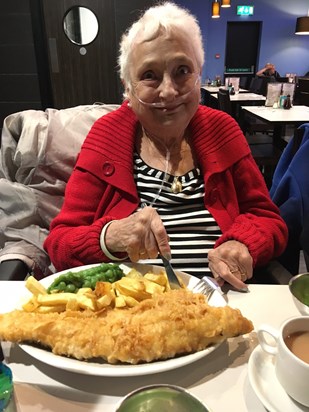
<point>62,285</point>
<point>109,274</point>
<point>87,283</point>
<point>70,288</point>
<point>86,278</point>
<point>93,283</point>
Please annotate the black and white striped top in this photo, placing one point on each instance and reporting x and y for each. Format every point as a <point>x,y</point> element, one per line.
<point>191,228</point>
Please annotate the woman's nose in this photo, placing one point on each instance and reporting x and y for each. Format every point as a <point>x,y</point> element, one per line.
<point>168,88</point>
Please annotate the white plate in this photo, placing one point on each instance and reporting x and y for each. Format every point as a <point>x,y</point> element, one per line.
<point>105,369</point>
<point>263,379</point>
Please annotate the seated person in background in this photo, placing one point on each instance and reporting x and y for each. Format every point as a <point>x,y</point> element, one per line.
<point>270,71</point>
<point>290,192</point>
<point>164,174</point>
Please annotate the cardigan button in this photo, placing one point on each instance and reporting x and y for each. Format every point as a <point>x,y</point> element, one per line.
<point>108,169</point>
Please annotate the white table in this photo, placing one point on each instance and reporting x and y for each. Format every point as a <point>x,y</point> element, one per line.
<point>279,118</point>
<point>215,89</point>
<point>220,379</point>
<point>297,114</point>
<point>244,97</point>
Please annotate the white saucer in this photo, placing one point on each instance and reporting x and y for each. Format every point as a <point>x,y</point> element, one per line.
<point>262,377</point>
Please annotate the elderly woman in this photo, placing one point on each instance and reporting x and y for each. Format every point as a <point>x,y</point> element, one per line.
<point>163,174</point>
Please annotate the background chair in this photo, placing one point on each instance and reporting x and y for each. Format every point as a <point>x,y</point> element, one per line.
<point>260,134</point>
<point>207,99</point>
<point>303,98</point>
<point>264,151</point>
<point>302,91</point>
<point>259,84</point>
<point>38,152</point>
<point>204,97</point>
<point>256,85</point>
<point>265,154</point>
<point>244,82</point>
<point>303,84</point>
<point>251,125</point>
<point>224,101</point>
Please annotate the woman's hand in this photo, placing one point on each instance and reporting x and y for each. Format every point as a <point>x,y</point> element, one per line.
<point>141,235</point>
<point>231,262</point>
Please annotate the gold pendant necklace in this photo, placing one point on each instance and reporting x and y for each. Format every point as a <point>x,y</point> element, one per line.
<point>176,185</point>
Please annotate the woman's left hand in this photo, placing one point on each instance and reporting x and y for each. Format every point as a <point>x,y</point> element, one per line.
<point>231,262</point>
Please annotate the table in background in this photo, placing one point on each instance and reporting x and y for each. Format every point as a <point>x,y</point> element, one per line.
<point>219,379</point>
<point>279,118</point>
<point>245,98</point>
<point>215,89</point>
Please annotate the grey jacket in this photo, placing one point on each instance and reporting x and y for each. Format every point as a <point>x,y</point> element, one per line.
<point>38,152</point>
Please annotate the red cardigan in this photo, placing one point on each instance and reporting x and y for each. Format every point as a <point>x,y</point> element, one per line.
<point>102,188</point>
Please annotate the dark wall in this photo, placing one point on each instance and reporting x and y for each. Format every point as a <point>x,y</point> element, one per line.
<point>24,72</point>
<point>19,86</point>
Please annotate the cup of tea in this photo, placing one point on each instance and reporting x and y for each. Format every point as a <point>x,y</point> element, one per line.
<point>290,346</point>
<point>161,397</point>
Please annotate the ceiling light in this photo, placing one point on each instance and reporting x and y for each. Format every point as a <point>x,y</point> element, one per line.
<point>302,25</point>
<point>215,9</point>
<point>226,3</point>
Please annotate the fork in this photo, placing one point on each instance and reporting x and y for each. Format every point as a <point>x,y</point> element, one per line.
<point>206,287</point>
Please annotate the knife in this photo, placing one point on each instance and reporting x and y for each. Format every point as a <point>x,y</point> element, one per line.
<point>171,275</point>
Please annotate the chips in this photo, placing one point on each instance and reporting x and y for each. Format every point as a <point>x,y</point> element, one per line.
<point>126,292</point>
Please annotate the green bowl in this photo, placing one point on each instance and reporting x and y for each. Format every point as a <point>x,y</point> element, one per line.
<point>6,385</point>
<point>299,287</point>
<point>161,398</point>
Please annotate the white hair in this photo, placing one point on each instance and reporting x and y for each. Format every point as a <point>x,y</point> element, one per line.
<point>166,16</point>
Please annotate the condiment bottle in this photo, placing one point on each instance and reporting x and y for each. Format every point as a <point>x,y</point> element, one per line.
<point>287,102</point>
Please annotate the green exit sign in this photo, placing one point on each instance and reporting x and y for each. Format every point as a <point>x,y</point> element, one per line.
<point>245,10</point>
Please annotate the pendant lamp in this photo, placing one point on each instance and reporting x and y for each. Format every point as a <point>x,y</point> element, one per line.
<point>215,9</point>
<point>302,25</point>
<point>226,3</point>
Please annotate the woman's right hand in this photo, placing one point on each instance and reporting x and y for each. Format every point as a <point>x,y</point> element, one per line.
<point>141,235</point>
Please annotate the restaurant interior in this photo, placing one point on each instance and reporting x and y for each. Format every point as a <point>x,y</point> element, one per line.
<point>31,78</point>
<point>45,68</point>
<point>41,65</point>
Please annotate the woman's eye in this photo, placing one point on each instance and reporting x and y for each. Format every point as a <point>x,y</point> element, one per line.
<point>183,70</point>
<point>148,76</point>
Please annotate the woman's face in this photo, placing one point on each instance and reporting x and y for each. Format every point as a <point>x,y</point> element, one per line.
<point>165,83</point>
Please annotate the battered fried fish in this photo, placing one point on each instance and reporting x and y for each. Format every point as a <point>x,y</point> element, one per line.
<point>174,323</point>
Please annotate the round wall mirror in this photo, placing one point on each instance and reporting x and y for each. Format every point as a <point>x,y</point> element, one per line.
<point>80,25</point>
